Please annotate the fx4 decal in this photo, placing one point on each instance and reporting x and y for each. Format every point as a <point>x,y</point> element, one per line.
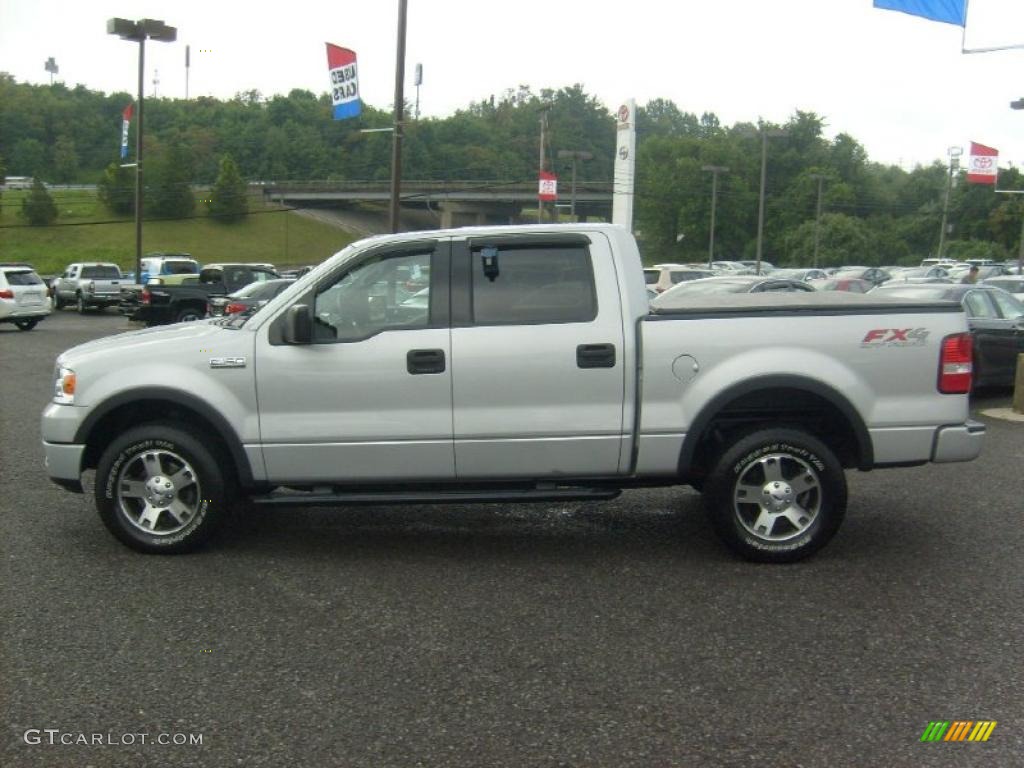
<point>895,337</point>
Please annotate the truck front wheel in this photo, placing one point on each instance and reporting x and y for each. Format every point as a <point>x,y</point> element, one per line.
<point>159,489</point>
<point>776,495</point>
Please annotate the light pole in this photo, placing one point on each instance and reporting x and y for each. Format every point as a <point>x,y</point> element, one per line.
<point>765,133</point>
<point>954,163</point>
<point>138,31</point>
<point>820,178</point>
<point>574,155</point>
<point>396,143</point>
<point>714,170</point>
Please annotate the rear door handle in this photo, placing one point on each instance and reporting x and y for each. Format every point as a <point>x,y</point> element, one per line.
<point>595,356</point>
<point>420,361</point>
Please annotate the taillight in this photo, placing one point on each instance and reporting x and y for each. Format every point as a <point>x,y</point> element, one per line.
<point>234,308</point>
<point>6,294</point>
<point>145,297</point>
<point>956,364</point>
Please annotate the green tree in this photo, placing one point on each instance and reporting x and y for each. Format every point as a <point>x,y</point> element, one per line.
<point>116,189</point>
<point>228,197</point>
<point>169,183</point>
<point>65,160</point>
<point>38,206</point>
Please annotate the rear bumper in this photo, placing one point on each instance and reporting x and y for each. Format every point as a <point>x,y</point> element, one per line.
<point>959,442</point>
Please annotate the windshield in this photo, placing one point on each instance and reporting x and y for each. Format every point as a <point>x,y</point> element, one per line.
<point>267,290</point>
<point>101,273</point>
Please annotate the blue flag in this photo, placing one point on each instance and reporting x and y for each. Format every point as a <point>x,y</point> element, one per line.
<point>948,11</point>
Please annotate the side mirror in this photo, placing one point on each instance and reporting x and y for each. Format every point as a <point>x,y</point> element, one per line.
<point>298,325</point>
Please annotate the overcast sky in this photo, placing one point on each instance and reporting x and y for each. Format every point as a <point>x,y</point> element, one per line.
<point>898,84</point>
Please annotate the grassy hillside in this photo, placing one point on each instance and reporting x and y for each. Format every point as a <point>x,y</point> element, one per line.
<point>83,233</point>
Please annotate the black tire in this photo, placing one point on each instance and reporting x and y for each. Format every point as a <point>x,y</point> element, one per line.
<point>25,325</point>
<point>797,489</point>
<point>189,315</point>
<point>80,302</point>
<point>137,466</point>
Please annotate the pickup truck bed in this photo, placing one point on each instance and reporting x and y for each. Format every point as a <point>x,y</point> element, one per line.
<point>519,363</point>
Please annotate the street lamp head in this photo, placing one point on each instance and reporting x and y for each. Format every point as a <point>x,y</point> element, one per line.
<point>154,29</point>
<point>1017,104</point>
<point>123,28</point>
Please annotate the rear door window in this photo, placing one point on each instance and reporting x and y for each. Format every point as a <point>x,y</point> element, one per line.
<point>532,285</point>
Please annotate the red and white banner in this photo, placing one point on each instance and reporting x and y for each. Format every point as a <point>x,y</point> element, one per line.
<point>983,164</point>
<point>126,118</point>
<point>548,187</point>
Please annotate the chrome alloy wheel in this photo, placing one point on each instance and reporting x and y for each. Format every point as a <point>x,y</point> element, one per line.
<point>777,497</point>
<point>158,492</point>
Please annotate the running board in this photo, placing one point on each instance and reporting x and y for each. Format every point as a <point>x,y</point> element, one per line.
<point>316,498</point>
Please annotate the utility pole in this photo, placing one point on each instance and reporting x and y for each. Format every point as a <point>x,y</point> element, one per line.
<point>954,163</point>
<point>574,155</point>
<point>396,145</point>
<point>714,170</point>
<point>820,178</point>
<point>765,133</point>
<point>187,50</point>
<point>543,141</point>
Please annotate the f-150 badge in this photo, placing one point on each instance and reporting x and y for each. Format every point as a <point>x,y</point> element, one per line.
<point>227,362</point>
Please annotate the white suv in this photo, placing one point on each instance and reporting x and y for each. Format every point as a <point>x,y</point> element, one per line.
<point>23,296</point>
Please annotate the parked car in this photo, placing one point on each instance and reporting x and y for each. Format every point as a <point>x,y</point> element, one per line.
<point>532,369</point>
<point>730,268</point>
<point>801,274</point>
<point>874,275</point>
<point>88,285</point>
<point>995,317</point>
<point>161,304</point>
<point>160,264</point>
<point>1010,283</point>
<point>911,273</point>
<point>23,299</point>
<point>661,277</point>
<point>848,284</point>
<point>246,300</point>
<point>766,266</point>
<point>734,284</point>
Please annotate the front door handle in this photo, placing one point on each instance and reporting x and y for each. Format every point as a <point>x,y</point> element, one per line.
<point>420,361</point>
<point>595,356</point>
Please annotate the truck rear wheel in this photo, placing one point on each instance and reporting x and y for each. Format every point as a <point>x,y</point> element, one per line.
<point>776,495</point>
<point>160,490</point>
<point>189,315</point>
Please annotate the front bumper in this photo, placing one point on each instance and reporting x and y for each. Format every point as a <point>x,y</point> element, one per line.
<point>64,464</point>
<point>959,442</point>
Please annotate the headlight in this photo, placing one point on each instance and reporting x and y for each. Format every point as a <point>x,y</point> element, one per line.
<point>64,386</point>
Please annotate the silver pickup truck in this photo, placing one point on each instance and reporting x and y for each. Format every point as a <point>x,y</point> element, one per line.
<point>511,364</point>
<point>88,285</point>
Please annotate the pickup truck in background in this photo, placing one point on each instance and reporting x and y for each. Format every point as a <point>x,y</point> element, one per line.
<point>503,364</point>
<point>87,285</point>
<point>161,304</point>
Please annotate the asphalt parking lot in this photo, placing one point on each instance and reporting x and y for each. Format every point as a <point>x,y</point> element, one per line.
<point>612,634</point>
